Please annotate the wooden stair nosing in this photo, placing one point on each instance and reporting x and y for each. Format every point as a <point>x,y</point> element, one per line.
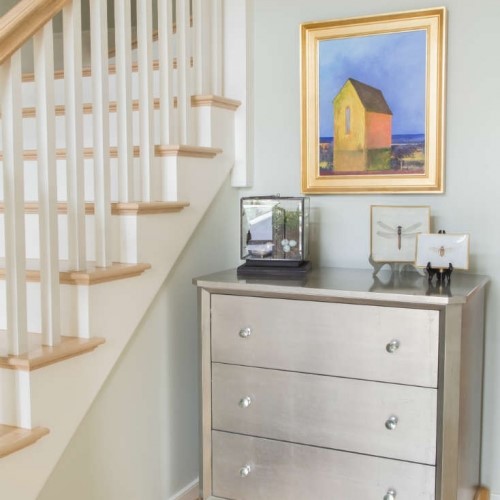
<point>196,101</point>
<point>91,276</point>
<point>13,439</point>
<point>60,109</point>
<point>59,74</point>
<point>117,208</point>
<point>160,151</point>
<point>215,101</point>
<point>47,355</point>
<point>187,151</point>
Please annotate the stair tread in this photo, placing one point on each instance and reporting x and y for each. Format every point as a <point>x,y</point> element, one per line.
<point>160,150</point>
<point>60,109</point>
<point>196,101</point>
<point>13,439</point>
<point>86,71</point>
<point>117,208</point>
<point>41,355</point>
<point>90,276</point>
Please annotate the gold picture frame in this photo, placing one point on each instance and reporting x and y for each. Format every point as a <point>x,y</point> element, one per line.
<point>375,88</point>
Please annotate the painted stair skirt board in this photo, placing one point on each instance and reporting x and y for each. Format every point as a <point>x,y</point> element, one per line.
<point>72,386</point>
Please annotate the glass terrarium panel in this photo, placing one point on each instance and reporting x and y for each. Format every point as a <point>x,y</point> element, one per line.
<point>274,228</point>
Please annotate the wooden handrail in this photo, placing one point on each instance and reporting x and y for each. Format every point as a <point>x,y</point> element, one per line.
<point>23,21</point>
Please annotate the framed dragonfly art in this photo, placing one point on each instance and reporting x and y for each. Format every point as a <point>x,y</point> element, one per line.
<point>441,250</point>
<point>394,232</point>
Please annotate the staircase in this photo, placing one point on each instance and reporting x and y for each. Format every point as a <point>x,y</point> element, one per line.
<point>106,171</point>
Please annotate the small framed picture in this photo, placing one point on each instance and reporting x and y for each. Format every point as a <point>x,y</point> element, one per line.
<point>394,232</point>
<point>441,250</point>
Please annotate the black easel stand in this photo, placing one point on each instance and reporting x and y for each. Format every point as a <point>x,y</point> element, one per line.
<point>443,275</point>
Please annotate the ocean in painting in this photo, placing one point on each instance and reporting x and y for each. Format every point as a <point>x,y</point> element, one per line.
<point>407,156</point>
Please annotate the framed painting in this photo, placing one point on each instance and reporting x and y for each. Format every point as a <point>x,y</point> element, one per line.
<point>372,104</point>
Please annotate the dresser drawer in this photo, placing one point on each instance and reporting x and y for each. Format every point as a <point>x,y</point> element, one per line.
<point>340,413</point>
<point>347,340</point>
<point>295,472</point>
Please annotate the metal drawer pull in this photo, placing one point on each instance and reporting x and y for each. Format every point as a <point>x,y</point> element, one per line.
<point>390,495</point>
<point>391,423</point>
<point>392,346</point>
<point>245,471</point>
<point>245,332</point>
<point>245,402</point>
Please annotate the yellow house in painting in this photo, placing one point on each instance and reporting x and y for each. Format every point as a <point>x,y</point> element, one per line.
<point>362,129</point>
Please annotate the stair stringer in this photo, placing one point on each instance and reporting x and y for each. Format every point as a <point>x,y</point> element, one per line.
<point>61,394</point>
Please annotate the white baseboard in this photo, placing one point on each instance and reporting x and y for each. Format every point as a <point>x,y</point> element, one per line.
<point>189,492</point>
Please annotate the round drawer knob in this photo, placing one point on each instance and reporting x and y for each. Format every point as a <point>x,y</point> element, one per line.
<point>245,471</point>
<point>390,495</point>
<point>245,332</point>
<point>391,423</point>
<point>245,402</point>
<point>392,346</point>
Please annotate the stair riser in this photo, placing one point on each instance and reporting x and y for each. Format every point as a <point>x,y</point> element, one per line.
<point>31,179</point>
<point>29,89</point>
<point>28,62</point>
<point>33,241</point>
<point>15,389</point>
<point>30,130</point>
<point>70,315</point>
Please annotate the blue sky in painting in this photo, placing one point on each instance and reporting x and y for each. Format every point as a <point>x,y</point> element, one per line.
<point>394,63</point>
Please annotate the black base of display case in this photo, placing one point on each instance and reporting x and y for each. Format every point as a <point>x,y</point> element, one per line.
<point>272,269</point>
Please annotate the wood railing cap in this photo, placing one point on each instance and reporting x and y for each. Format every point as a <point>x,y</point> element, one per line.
<point>23,20</point>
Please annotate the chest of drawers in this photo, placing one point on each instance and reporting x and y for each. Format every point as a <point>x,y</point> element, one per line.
<point>340,387</point>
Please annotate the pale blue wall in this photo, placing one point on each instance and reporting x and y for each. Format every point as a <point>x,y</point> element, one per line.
<point>471,203</point>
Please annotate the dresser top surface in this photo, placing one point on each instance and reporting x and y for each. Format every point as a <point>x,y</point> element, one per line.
<point>350,284</point>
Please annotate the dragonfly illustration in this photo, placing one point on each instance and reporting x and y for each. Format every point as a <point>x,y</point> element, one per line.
<point>398,232</point>
<point>442,250</point>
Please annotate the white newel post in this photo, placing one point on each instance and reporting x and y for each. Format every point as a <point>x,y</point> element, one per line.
<point>100,91</point>
<point>238,78</point>
<point>72,37</point>
<point>200,45</point>
<point>13,187</point>
<point>123,43</point>
<point>47,185</point>
<point>217,48</point>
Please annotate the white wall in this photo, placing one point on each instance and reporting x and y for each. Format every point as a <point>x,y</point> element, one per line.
<point>139,440</point>
<point>140,435</point>
<point>471,203</point>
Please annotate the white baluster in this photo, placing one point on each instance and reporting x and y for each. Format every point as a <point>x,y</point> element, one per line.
<point>123,43</point>
<point>13,187</point>
<point>72,37</point>
<point>47,185</point>
<point>166,59</point>
<point>201,44</point>
<point>216,47</point>
<point>183,71</point>
<point>145,62</point>
<point>100,92</point>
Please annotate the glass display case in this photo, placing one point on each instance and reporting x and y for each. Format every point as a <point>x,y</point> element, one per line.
<point>275,230</point>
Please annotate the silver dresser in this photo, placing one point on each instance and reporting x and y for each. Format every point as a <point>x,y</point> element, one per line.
<point>340,386</point>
